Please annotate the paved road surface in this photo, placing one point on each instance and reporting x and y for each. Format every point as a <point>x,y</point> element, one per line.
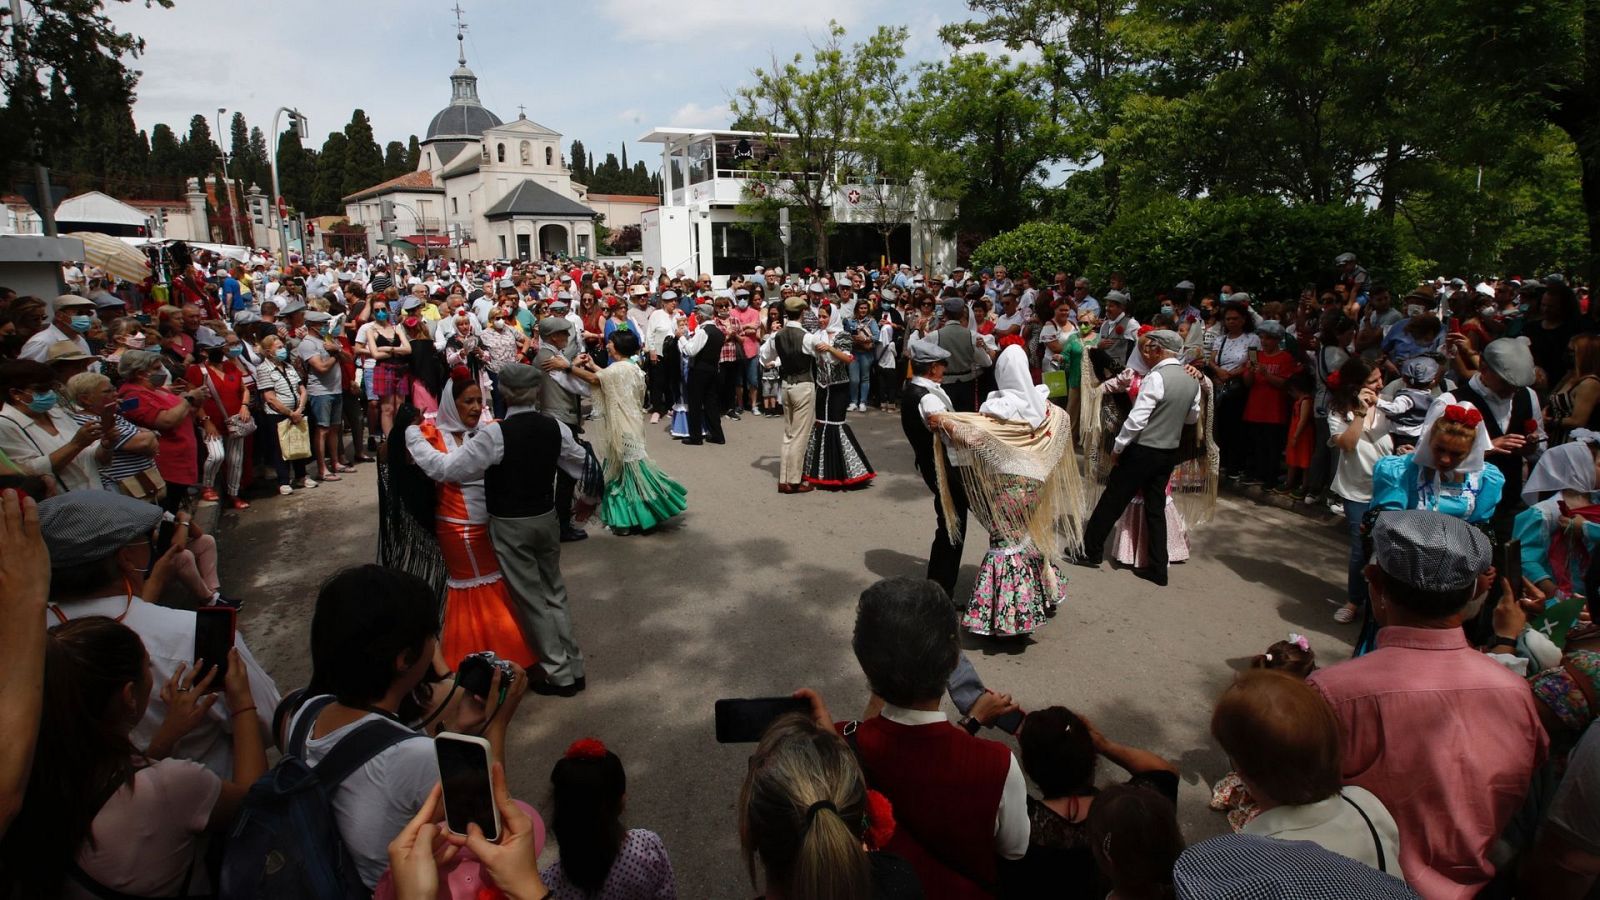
<point>752,594</point>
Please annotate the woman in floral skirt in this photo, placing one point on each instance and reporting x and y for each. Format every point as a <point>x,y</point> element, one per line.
<point>638,495</point>
<point>1010,456</point>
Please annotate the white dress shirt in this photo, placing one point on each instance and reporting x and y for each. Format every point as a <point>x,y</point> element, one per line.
<point>1151,391</point>
<point>1011,827</point>
<point>934,401</point>
<point>168,637</point>
<point>695,342</point>
<point>810,343</point>
<point>466,464</point>
<point>659,326</point>
<point>1500,408</point>
<point>37,348</point>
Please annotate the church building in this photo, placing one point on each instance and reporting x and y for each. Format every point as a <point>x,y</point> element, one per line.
<point>484,188</point>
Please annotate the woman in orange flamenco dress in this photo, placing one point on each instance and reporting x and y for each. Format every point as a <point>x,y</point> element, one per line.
<point>478,611</point>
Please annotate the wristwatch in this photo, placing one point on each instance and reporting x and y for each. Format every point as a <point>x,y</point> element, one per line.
<point>1502,639</point>
<point>970,725</point>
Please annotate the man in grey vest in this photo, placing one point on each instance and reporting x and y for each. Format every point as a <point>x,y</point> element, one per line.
<point>795,351</point>
<point>1146,452</point>
<point>961,369</point>
<point>561,397</point>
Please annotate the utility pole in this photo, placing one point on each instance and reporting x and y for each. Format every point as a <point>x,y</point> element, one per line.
<point>301,128</point>
<point>243,224</point>
<point>41,175</point>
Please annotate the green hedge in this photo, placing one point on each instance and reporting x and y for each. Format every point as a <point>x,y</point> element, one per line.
<point>1043,248</point>
<point>1257,244</point>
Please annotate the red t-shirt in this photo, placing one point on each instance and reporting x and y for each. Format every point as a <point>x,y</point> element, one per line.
<point>178,449</point>
<point>229,383</point>
<point>1267,404</point>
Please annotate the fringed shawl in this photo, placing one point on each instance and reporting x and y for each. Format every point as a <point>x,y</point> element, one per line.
<point>622,406</point>
<point>1001,448</point>
<point>1195,481</point>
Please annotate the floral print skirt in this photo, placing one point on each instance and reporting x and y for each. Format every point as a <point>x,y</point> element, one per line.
<point>1014,593</point>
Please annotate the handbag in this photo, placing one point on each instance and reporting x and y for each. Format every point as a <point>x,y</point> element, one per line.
<point>148,485</point>
<point>237,427</point>
<point>294,440</point>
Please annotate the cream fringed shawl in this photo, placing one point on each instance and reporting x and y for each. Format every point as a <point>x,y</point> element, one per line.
<point>1004,448</point>
<point>1194,481</point>
<point>622,404</point>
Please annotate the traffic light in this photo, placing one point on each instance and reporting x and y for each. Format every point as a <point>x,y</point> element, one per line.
<point>386,210</point>
<point>258,212</point>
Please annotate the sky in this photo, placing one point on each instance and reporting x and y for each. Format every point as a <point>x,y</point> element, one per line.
<point>604,72</point>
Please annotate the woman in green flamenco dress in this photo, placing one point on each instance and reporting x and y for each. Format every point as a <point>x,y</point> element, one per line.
<point>638,495</point>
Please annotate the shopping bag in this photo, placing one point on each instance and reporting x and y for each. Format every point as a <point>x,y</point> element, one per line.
<point>1057,383</point>
<point>294,441</point>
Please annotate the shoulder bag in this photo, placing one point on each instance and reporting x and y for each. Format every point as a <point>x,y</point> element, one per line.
<point>237,427</point>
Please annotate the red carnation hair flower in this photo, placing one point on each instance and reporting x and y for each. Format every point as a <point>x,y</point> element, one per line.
<point>1530,427</point>
<point>586,748</point>
<point>880,821</point>
<point>1012,340</point>
<point>1146,329</point>
<point>1464,415</point>
<point>460,375</point>
<point>1333,379</point>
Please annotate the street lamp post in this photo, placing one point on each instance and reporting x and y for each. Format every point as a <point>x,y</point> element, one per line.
<point>299,123</point>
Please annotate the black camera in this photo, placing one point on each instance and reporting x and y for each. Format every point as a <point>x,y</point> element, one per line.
<point>476,672</point>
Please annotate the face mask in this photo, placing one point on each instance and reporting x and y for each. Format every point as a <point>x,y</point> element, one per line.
<point>1413,310</point>
<point>80,324</point>
<point>1085,329</point>
<point>236,350</point>
<point>411,322</point>
<point>742,303</point>
<point>43,402</point>
<point>280,354</point>
<point>1486,311</point>
<point>499,324</point>
<point>1166,310</point>
<point>381,315</point>
<point>136,340</point>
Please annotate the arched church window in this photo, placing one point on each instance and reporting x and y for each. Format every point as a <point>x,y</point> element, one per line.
<point>526,150</point>
<point>549,156</point>
<point>500,152</point>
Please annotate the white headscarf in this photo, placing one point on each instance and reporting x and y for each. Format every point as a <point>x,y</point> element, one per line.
<point>1016,398</point>
<point>1564,467</point>
<point>1480,444</point>
<point>448,420</point>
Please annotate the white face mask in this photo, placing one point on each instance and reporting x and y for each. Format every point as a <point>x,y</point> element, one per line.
<point>1486,311</point>
<point>135,340</point>
<point>1413,310</point>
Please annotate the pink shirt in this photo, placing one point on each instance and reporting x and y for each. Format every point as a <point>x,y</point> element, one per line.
<point>749,316</point>
<point>1447,738</point>
<point>147,834</point>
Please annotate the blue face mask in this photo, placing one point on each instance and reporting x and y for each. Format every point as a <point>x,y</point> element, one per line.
<point>280,354</point>
<point>381,315</point>
<point>742,303</point>
<point>80,324</point>
<point>236,350</point>
<point>1166,310</point>
<point>43,402</point>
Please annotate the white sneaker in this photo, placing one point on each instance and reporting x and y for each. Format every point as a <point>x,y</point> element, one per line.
<point>285,490</point>
<point>312,482</point>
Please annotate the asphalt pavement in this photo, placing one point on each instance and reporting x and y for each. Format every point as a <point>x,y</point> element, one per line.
<point>752,594</point>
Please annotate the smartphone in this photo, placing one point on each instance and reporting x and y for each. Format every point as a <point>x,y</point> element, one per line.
<point>1253,357</point>
<point>965,687</point>
<point>213,638</point>
<point>164,536</point>
<point>741,721</point>
<point>464,772</point>
<point>1455,325</point>
<point>127,404</point>
<point>1512,568</point>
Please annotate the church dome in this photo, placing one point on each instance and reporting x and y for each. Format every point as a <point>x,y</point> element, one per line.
<point>462,120</point>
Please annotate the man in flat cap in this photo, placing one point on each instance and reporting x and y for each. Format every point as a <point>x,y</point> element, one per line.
<point>1146,452</point>
<point>561,397</point>
<point>795,349</point>
<point>658,325</point>
<point>523,459</point>
<point>923,398</point>
<point>71,317</point>
<point>702,349</point>
<point>967,356</point>
<point>102,562</point>
<point>1502,390</point>
<point>1447,738</point>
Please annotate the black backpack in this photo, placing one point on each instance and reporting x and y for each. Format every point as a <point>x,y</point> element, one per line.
<point>286,843</point>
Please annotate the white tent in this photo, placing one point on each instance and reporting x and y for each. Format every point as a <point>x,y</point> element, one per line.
<point>100,209</point>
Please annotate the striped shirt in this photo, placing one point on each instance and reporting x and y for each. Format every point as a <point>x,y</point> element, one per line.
<point>282,381</point>
<point>123,462</point>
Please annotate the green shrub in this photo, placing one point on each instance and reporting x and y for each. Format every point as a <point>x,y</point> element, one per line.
<point>1043,248</point>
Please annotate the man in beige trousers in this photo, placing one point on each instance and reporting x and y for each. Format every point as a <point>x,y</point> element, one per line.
<point>795,350</point>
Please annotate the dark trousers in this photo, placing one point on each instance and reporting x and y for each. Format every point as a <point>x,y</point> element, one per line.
<point>1229,430</point>
<point>1323,458</point>
<point>886,384</point>
<point>944,557</point>
<point>1267,442</point>
<point>705,411</point>
<point>1138,470</point>
<point>730,378</point>
<point>963,395</point>
<point>657,386</point>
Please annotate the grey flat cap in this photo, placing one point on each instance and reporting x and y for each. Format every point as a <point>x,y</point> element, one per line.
<point>81,527</point>
<point>1117,297</point>
<point>1185,285</point>
<point>1430,551</point>
<point>519,376</point>
<point>205,338</point>
<point>1271,328</point>
<point>668,296</point>
<point>553,325</point>
<point>1166,340</point>
<point>954,307</point>
<point>1239,297</point>
<point>705,310</point>
<point>1420,370</point>
<point>1511,359</point>
<point>292,307</point>
<point>317,317</point>
<point>927,352</point>
<point>1343,258</point>
<point>412,301</point>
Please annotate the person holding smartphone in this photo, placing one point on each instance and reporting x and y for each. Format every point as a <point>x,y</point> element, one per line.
<point>171,411</point>
<point>1227,364</point>
<point>375,656</point>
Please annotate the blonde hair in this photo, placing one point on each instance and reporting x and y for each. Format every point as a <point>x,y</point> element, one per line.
<point>79,385</point>
<point>802,810</point>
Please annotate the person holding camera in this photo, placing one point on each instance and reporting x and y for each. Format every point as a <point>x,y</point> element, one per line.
<point>375,655</point>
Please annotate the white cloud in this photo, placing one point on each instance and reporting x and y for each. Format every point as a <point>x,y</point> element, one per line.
<point>719,24</point>
<point>631,115</point>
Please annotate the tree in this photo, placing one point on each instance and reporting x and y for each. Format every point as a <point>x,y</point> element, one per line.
<point>200,153</point>
<point>260,164</point>
<point>363,160</point>
<point>240,164</point>
<point>394,160</point>
<point>580,163</point>
<point>413,154</point>
<point>166,156</point>
<point>987,131</point>
<point>333,166</point>
<point>823,102</point>
<point>297,170</point>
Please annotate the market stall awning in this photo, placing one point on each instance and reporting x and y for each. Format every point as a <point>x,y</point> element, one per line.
<point>427,240</point>
<point>113,255</point>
